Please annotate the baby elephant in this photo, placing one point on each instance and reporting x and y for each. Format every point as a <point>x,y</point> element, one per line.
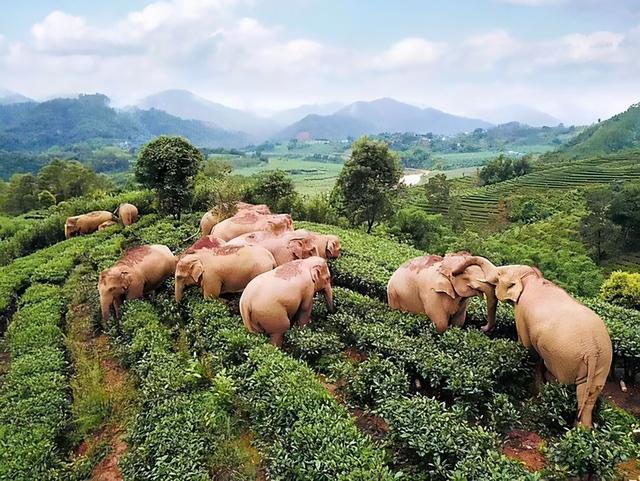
<point>218,271</point>
<point>276,299</point>
<point>86,223</point>
<point>141,270</point>
<point>572,341</point>
<point>128,213</point>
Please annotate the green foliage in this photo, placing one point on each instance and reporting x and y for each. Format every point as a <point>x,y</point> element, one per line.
<point>169,166</point>
<point>274,188</point>
<point>437,190</point>
<point>504,168</point>
<point>425,231</point>
<point>376,380</point>
<point>622,288</point>
<point>368,182</point>
<point>34,400</point>
<point>441,442</point>
<point>311,436</point>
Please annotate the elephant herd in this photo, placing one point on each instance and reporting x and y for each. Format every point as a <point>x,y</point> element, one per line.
<point>279,271</point>
<point>570,340</point>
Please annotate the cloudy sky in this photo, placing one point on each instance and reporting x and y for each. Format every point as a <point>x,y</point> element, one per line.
<point>576,59</point>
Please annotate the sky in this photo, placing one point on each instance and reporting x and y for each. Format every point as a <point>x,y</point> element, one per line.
<point>575,59</point>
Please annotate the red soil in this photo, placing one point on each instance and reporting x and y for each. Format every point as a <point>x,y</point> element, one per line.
<point>629,401</point>
<point>524,446</point>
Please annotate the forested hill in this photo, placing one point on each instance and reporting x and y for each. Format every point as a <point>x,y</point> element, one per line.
<point>63,121</point>
<point>620,132</point>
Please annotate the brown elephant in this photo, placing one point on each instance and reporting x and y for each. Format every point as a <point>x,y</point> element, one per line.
<point>208,242</point>
<point>285,247</point>
<point>441,287</point>
<point>227,269</point>
<point>274,300</point>
<point>141,270</point>
<point>128,213</point>
<point>571,340</point>
<point>249,221</point>
<point>106,225</point>
<point>327,246</point>
<point>86,223</point>
<point>224,211</point>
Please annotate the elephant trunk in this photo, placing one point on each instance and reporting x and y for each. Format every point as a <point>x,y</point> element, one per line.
<point>490,271</point>
<point>105,307</point>
<point>492,306</point>
<point>328,297</point>
<point>179,290</point>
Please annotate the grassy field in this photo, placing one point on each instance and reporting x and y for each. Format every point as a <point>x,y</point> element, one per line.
<point>308,176</point>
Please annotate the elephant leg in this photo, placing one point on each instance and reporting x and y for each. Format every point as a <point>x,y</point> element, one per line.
<point>392,298</point>
<point>303,316</point>
<point>586,418</point>
<point>460,316</point>
<point>539,375</point>
<point>211,287</point>
<point>440,320</point>
<point>276,339</point>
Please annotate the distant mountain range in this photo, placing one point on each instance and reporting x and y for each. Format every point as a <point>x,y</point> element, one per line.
<point>211,124</point>
<point>7,97</point>
<point>521,114</point>
<point>39,126</point>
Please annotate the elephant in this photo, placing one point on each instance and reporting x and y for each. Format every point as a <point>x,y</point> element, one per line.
<point>86,223</point>
<point>140,271</point>
<point>327,246</point>
<point>275,299</point>
<point>285,247</point>
<point>224,211</point>
<point>570,339</point>
<point>227,269</point>
<point>128,213</point>
<point>248,221</point>
<point>106,224</point>
<point>209,242</point>
<point>441,287</point>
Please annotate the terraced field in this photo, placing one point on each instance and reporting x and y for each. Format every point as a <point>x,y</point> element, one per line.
<point>478,205</point>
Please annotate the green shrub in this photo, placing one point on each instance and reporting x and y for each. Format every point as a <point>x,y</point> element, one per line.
<point>622,288</point>
<point>376,380</point>
<point>309,435</point>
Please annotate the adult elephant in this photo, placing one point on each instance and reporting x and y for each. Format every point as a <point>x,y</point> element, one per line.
<point>571,340</point>
<point>216,215</point>
<point>441,287</point>
<point>273,301</point>
<point>250,221</point>
<point>141,270</point>
<point>223,270</point>
<point>285,247</point>
<point>327,246</point>
<point>128,213</point>
<point>86,223</point>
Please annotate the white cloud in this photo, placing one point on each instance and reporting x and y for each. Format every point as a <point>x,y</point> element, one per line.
<point>408,53</point>
<point>594,47</point>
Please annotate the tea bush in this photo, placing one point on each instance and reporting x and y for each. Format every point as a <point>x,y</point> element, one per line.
<point>622,288</point>
<point>34,397</point>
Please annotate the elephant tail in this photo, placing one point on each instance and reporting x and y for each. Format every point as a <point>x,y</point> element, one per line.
<point>245,312</point>
<point>591,362</point>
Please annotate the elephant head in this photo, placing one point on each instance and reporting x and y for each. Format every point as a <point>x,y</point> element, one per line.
<point>70,227</point>
<point>470,276</point>
<point>509,281</point>
<point>333,247</point>
<point>189,271</point>
<point>302,248</point>
<point>112,286</point>
<point>321,278</point>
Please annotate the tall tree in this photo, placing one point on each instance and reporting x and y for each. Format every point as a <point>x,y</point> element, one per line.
<point>368,182</point>
<point>169,166</point>
<point>598,232</point>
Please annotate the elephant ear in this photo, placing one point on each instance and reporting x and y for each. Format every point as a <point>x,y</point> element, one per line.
<point>333,251</point>
<point>296,247</point>
<point>196,271</point>
<point>510,288</point>
<point>316,272</point>
<point>127,279</point>
<point>310,248</point>
<point>443,284</point>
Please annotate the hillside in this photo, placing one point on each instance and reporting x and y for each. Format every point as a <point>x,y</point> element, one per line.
<point>479,204</point>
<point>38,126</point>
<point>377,116</point>
<point>521,114</point>
<point>620,132</point>
<point>7,97</point>
<point>187,105</point>
<point>334,126</point>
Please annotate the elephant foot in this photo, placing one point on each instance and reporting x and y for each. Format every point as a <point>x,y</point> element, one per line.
<point>487,328</point>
